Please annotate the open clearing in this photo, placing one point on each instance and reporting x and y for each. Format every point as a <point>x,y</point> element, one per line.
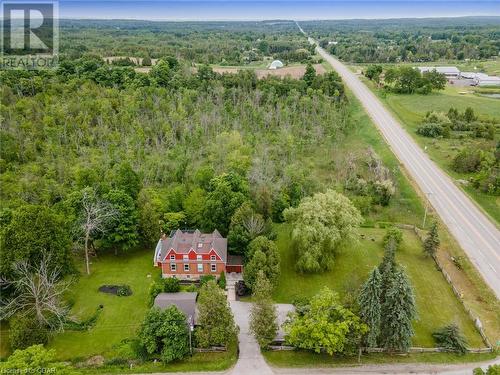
<point>296,71</point>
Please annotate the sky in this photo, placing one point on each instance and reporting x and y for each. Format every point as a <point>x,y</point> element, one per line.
<point>268,9</point>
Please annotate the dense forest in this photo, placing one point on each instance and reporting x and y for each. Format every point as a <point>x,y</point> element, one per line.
<point>224,43</point>
<point>159,144</point>
<point>409,40</point>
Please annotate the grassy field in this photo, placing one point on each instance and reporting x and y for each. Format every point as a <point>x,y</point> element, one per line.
<point>406,207</point>
<point>491,67</point>
<point>411,109</point>
<point>436,303</point>
<point>309,359</point>
<point>120,317</point>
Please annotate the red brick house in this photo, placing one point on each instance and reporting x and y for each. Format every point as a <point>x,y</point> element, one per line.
<point>191,254</point>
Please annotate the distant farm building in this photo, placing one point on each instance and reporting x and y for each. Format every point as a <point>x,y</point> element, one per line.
<point>481,79</point>
<point>448,71</point>
<point>487,81</point>
<point>276,64</point>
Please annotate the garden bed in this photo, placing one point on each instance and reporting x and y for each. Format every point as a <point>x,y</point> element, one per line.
<point>118,290</point>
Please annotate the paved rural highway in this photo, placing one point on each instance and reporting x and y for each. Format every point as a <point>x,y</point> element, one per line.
<point>473,230</point>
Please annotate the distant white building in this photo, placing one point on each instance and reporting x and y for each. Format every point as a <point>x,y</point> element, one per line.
<point>487,81</point>
<point>473,75</point>
<point>276,64</point>
<point>448,71</point>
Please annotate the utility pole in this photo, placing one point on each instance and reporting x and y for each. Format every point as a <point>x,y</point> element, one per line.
<point>426,208</point>
<point>191,328</point>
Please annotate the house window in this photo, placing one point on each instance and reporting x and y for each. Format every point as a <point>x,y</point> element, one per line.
<point>172,257</point>
<point>200,245</point>
<point>198,257</point>
<point>212,257</point>
<point>200,267</point>
<point>213,267</point>
<point>185,257</point>
<point>173,267</point>
<point>186,267</point>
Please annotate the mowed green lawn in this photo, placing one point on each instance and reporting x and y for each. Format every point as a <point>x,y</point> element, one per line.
<point>436,303</point>
<point>120,317</point>
<point>411,109</point>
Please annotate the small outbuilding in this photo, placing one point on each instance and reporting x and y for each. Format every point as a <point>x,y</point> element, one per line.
<point>184,301</point>
<point>276,64</point>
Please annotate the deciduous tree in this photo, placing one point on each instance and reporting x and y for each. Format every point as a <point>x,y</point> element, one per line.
<point>326,325</point>
<point>263,317</point>
<point>165,333</point>
<point>263,256</point>
<point>320,223</point>
<point>215,319</point>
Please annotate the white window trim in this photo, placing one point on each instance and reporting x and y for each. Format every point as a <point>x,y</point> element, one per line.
<point>213,267</point>
<point>198,257</point>
<point>186,270</point>
<point>213,257</point>
<point>173,267</point>
<point>185,257</point>
<point>172,257</point>
<point>199,267</point>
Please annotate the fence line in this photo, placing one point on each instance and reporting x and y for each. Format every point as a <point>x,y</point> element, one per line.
<point>459,295</point>
<point>213,349</point>
<point>281,346</point>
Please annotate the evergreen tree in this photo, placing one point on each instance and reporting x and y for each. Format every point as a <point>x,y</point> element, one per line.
<point>431,243</point>
<point>451,338</point>
<point>263,318</point>
<point>398,310</point>
<point>370,308</point>
<point>387,267</point>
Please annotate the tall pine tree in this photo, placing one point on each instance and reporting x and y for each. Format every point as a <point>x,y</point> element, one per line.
<point>387,267</point>
<point>431,242</point>
<point>370,308</point>
<point>398,311</point>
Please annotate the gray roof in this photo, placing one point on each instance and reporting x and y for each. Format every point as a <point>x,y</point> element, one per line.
<point>184,301</point>
<point>184,241</point>
<point>440,69</point>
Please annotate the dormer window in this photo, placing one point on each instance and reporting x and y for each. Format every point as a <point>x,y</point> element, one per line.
<point>200,245</point>
<point>172,257</point>
<point>212,257</point>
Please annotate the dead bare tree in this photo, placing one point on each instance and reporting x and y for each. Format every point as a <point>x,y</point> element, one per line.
<point>38,293</point>
<point>254,224</point>
<point>95,216</point>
